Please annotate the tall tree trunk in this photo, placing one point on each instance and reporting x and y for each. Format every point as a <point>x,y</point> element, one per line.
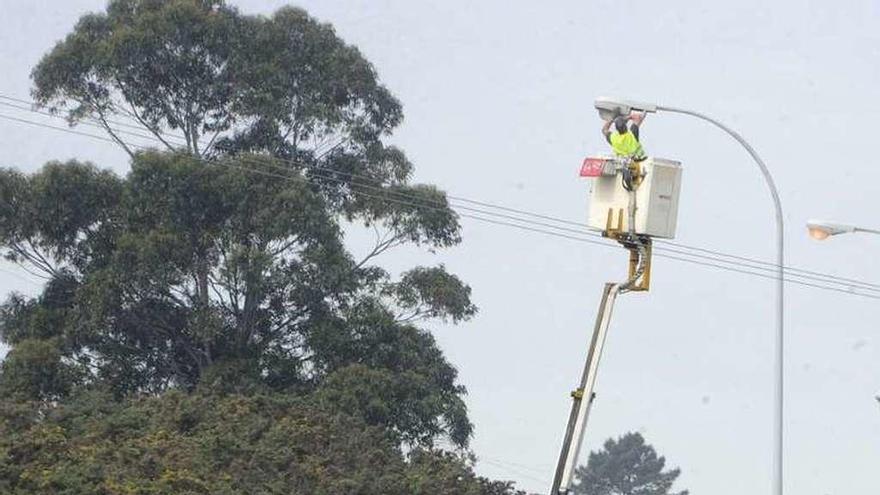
<point>203,309</point>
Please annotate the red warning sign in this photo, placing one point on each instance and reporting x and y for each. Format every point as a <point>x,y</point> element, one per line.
<point>593,167</point>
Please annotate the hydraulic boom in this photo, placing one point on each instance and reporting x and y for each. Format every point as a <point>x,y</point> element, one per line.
<point>582,397</point>
<point>639,247</point>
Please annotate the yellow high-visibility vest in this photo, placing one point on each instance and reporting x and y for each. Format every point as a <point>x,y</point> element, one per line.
<point>627,145</point>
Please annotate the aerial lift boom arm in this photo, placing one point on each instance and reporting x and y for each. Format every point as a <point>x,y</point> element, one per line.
<point>639,247</point>
<point>582,397</point>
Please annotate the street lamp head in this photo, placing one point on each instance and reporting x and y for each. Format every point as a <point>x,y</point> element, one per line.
<point>821,230</point>
<point>818,233</point>
<point>609,108</point>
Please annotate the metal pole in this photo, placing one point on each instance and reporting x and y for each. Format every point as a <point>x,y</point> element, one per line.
<point>867,231</point>
<point>779,389</point>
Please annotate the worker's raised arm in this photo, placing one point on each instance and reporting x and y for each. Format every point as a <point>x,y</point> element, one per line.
<point>606,130</point>
<point>637,117</point>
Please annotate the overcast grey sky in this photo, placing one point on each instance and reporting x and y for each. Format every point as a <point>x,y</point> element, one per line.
<point>498,96</point>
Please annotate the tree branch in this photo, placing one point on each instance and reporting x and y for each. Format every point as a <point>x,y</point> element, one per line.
<point>284,247</point>
<point>34,259</point>
<point>111,131</point>
<point>206,150</point>
<point>154,131</point>
<point>415,315</point>
<point>381,246</point>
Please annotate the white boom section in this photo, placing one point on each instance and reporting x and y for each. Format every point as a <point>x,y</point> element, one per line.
<point>583,397</point>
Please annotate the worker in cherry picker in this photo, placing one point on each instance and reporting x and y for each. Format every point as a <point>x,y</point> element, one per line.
<point>624,139</point>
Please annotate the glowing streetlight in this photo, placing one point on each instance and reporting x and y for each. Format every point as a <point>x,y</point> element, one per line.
<point>821,229</point>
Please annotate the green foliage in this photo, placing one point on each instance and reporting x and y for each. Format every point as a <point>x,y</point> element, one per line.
<point>445,473</point>
<point>183,268</point>
<point>226,81</point>
<point>50,215</point>
<point>208,444</point>
<point>284,86</point>
<point>165,63</point>
<point>407,400</point>
<point>42,318</point>
<point>299,82</point>
<point>435,293</point>
<point>203,328</point>
<point>626,466</point>
<point>34,371</point>
<point>228,277</point>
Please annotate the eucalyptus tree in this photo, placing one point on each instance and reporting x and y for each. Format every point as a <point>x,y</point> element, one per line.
<point>219,261</point>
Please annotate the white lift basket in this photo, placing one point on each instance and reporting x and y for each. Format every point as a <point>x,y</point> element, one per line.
<point>656,197</point>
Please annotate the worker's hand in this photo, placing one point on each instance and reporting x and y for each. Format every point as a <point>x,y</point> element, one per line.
<point>636,117</point>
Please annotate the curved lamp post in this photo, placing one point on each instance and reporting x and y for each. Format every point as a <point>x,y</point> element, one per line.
<point>822,229</point>
<point>608,108</point>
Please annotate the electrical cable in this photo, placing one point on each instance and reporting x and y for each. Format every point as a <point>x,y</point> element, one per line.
<point>32,105</point>
<point>816,276</point>
<point>532,469</point>
<point>20,277</point>
<point>830,278</point>
<point>286,177</point>
<point>771,265</point>
<point>511,470</point>
<point>86,123</point>
<point>460,207</point>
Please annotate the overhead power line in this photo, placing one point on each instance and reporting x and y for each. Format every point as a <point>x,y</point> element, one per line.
<point>19,276</point>
<point>321,147</point>
<point>324,148</point>
<point>511,469</point>
<point>33,106</point>
<point>92,122</point>
<point>287,169</point>
<point>712,258</point>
